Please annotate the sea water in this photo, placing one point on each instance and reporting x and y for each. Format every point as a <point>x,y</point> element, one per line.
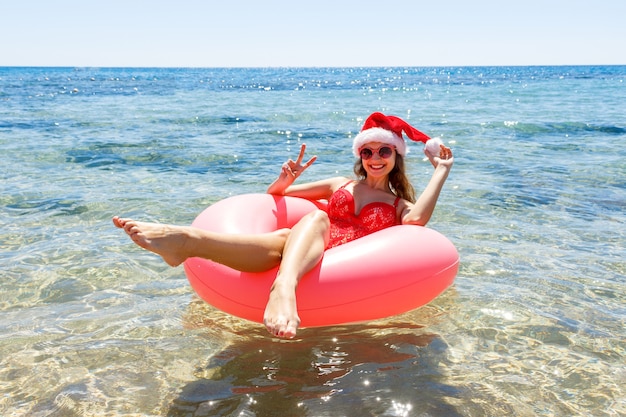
<point>535,204</point>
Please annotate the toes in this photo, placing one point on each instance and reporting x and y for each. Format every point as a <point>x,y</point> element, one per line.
<point>282,330</point>
<point>275,329</point>
<point>127,224</point>
<point>118,222</point>
<point>130,227</point>
<point>289,333</point>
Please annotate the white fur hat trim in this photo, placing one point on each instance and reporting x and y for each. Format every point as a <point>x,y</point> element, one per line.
<point>378,134</point>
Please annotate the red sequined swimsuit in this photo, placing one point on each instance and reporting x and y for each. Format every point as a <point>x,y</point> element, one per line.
<point>346,226</point>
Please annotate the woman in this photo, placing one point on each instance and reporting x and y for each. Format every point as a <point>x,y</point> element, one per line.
<point>380,197</point>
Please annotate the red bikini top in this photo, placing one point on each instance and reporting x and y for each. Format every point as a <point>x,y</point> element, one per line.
<point>347,226</point>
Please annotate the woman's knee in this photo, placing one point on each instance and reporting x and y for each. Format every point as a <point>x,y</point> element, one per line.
<point>319,218</point>
<point>282,234</point>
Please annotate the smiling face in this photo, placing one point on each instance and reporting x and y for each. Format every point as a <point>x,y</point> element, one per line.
<point>377,165</point>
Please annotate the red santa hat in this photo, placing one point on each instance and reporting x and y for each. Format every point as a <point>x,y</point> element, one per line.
<point>387,130</point>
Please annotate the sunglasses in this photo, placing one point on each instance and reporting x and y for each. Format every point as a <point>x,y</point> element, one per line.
<point>384,152</point>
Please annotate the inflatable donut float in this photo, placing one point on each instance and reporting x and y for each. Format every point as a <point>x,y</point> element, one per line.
<point>389,272</point>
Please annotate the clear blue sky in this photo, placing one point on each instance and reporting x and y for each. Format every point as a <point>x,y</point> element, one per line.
<point>252,33</point>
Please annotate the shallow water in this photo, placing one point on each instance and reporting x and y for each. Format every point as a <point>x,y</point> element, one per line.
<point>91,325</point>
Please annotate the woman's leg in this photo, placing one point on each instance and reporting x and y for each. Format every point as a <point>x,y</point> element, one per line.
<point>249,253</point>
<point>296,251</point>
<point>303,251</point>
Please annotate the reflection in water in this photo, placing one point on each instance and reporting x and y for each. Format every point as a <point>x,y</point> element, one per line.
<point>351,370</point>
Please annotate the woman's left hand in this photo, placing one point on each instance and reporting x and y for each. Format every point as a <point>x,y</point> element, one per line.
<point>445,157</point>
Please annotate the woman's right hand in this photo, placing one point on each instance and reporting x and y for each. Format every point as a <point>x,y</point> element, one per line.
<point>293,169</point>
<point>290,171</point>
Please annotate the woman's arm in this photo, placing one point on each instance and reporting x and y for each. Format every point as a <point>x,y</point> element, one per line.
<point>317,190</point>
<point>291,170</point>
<point>422,210</point>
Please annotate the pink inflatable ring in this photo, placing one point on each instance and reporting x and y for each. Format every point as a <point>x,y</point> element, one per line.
<point>392,271</point>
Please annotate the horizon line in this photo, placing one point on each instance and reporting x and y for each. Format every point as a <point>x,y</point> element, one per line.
<point>307,66</point>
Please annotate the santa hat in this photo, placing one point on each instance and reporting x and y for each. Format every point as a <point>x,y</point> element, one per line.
<point>387,130</point>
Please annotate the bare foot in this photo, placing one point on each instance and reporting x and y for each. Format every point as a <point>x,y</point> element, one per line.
<point>281,313</point>
<point>164,240</point>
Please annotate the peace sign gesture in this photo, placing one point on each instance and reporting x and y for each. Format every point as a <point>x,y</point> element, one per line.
<point>289,172</point>
<point>292,169</point>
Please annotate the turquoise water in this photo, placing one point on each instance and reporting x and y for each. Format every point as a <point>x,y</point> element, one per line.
<point>91,325</point>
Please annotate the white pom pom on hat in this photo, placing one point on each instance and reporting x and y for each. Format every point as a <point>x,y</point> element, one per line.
<point>387,130</point>
<point>433,146</point>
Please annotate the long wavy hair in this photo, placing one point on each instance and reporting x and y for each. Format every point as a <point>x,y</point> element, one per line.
<point>398,180</point>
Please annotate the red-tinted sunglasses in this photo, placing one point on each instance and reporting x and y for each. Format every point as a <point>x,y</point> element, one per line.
<point>384,152</point>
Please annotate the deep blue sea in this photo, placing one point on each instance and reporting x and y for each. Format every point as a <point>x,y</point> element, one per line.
<point>91,325</point>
